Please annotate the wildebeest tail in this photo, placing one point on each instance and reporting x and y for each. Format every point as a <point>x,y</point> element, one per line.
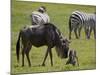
<point>18,47</point>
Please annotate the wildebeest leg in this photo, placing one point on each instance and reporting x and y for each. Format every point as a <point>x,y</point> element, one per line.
<point>75,31</point>
<point>43,64</point>
<point>23,56</point>
<point>27,53</point>
<point>50,53</point>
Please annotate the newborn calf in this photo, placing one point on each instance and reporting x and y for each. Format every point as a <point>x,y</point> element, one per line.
<point>72,58</point>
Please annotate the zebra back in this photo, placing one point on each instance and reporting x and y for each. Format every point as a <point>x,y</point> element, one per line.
<point>40,18</point>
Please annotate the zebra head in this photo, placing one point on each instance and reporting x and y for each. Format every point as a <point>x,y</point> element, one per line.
<point>42,9</point>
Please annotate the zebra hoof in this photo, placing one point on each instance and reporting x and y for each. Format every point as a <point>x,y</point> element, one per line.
<point>22,65</point>
<point>43,64</point>
<point>69,38</point>
<point>29,65</point>
<point>77,37</point>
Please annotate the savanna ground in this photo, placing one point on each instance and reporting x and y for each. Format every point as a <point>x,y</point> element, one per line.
<point>59,14</point>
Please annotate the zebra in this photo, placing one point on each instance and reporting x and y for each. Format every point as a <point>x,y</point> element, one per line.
<point>40,16</point>
<point>78,20</point>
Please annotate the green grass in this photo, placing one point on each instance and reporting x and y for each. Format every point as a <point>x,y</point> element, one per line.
<point>59,14</point>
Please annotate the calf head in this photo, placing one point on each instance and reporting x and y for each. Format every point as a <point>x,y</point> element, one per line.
<point>72,58</point>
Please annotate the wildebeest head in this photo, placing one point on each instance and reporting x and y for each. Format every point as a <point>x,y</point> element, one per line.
<point>65,47</point>
<point>62,49</point>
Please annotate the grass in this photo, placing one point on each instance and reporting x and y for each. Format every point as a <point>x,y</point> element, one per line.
<point>59,14</point>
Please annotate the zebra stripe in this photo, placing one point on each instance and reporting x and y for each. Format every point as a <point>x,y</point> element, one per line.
<point>78,20</point>
<point>39,18</point>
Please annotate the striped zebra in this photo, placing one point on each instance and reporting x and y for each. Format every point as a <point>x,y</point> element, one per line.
<point>40,17</point>
<point>78,20</point>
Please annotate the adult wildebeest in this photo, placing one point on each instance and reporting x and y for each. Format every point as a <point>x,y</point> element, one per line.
<point>78,20</point>
<point>40,35</point>
<point>40,16</point>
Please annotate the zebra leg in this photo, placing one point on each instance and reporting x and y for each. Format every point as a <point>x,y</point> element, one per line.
<point>43,64</point>
<point>70,28</point>
<point>79,31</point>
<point>94,32</point>
<point>90,32</point>
<point>70,34</point>
<point>50,53</point>
<point>27,52</point>
<point>75,31</point>
<point>86,33</point>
